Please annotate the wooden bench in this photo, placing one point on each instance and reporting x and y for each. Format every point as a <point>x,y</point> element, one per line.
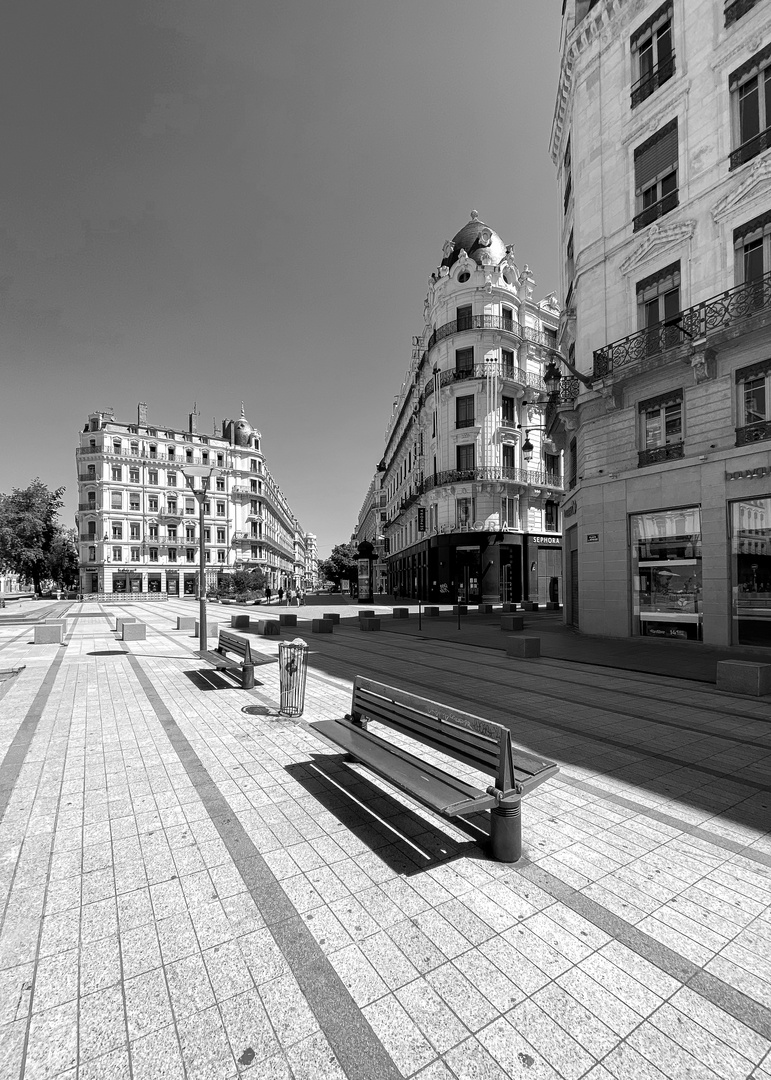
<point>237,646</point>
<point>480,744</point>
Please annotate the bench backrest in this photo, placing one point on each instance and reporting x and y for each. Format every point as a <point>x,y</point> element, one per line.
<point>481,744</point>
<point>238,645</point>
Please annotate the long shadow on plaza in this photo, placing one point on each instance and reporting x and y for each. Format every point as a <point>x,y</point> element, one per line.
<point>407,842</point>
<point>717,787</point>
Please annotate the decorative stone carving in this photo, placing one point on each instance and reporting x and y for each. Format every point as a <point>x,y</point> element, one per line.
<point>474,216</point>
<point>657,239</point>
<point>447,248</point>
<point>702,361</point>
<point>755,186</point>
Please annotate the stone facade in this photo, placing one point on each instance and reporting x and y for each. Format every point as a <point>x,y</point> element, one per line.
<point>659,139</point>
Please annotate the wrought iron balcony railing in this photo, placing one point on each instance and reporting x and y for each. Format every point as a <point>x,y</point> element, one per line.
<point>658,454</point>
<point>750,149</point>
<point>503,473</point>
<point>567,392</point>
<point>752,433</point>
<point>482,371</point>
<point>694,323</point>
<point>737,9</point>
<point>474,322</point>
<point>656,210</point>
<point>649,83</point>
<point>468,422</point>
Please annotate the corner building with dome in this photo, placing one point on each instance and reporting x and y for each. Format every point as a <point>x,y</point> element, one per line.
<point>469,487</point>
<point>138,521</point>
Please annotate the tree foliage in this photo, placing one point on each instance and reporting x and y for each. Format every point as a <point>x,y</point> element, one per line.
<point>341,565</point>
<point>32,542</point>
<point>64,564</point>
<point>248,580</point>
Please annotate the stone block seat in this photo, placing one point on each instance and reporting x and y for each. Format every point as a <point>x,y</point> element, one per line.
<point>287,618</point>
<point>239,622</point>
<point>185,622</point>
<point>369,623</point>
<point>321,626</point>
<point>431,612</point>
<point>512,622</point>
<point>49,633</point>
<point>401,613</point>
<point>133,631</point>
<point>523,647</point>
<point>744,677</point>
<point>212,628</point>
<point>332,616</point>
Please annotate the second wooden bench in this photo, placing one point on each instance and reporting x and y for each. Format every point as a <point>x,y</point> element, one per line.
<point>228,643</point>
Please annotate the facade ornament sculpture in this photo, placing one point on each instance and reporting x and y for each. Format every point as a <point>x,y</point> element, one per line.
<point>702,361</point>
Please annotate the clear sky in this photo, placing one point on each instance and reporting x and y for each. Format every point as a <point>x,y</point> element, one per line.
<point>217,200</point>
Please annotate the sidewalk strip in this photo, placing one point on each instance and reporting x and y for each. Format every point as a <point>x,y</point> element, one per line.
<point>354,1043</point>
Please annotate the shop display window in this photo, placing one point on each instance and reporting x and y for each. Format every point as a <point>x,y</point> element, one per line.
<point>751,571</point>
<point>666,573</point>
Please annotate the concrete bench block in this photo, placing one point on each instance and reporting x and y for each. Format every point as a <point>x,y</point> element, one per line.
<point>134,631</point>
<point>529,605</point>
<point>321,626</point>
<point>485,609</point>
<point>287,619</point>
<point>744,677</point>
<point>523,647</point>
<point>367,614</point>
<point>508,607</point>
<point>401,613</point>
<point>369,624</point>
<point>512,622</point>
<point>431,612</point>
<point>332,616</point>
<point>49,633</point>
<point>185,622</point>
<point>212,628</point>
<point>120,620</point>
<point>552,605</point>
<point>266,627</point>
<point>460,609</point>
<point>239,622</point>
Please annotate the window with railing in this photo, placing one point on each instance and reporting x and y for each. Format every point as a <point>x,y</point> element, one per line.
<point>464,457</point>
<point>653,58</point>
<point>750,88</point>
<point>464,361</point>
<point>736,9</point>
<point>753,386</point>
<point>464,411</point>
<point>567,177</point>
<point>661,428</point>
<point>572,464</point>
<point>464,318</point>
<point>508,409</point>
<point>655,173</point>
<point>658,305</point>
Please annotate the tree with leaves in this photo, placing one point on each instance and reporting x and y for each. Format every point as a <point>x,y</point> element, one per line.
<point>342,564</point>
<point>64,564</point>
<point>31,542</point>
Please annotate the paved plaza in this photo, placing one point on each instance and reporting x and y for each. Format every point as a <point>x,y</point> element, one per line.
<point>191,890</point>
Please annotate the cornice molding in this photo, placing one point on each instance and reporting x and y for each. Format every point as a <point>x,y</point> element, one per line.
<point>747,44</point>
<point>755,184</point>
<point>658,239</point>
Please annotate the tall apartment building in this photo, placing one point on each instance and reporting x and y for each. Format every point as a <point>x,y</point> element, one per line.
<point>661,139</point>
<point>468,488</point>
<point>138,521</point>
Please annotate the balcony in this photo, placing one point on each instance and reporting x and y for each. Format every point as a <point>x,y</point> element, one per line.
<point>474,322</point>
<point>492,473</point>
<point>737,9</point>
<point>169,515</point>
<point>659,454</point>
<point>490,368</point>
<point>752,433</point>
<point>467,423</point>
<point>727,310</point>
<point>91,538</point>
<point>567,392</point>
<point>649,83</point>
<point>89,506</point>
<point>656,210</point>
<point>750,149</point>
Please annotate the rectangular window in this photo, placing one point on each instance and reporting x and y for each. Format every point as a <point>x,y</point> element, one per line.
<point>753,386</point>
<point>133,502</point>
<point>221,555</point>
<point>92,554</point>
<point>116,500</point>
<point>207,555</point>
<point>509,456</point>
<point>207,535</point>
<point>153,554</point>
<point>653,58</point>
<point>172,553</point>
<point>171,479</point>
<point>135,554</point>
<point>220,509</point>
<point>464,411</point>
<point>117,554</point>
<point>507,358</point>
<point>666,573</point>
<point>752,248</point>
<point>658,305</point>
<point>508,409</point>
<point>117,473</point>
<point>570,266</point>
<point>171,453</point>
<point>661,428</point>
<point>465,457</point>
<point>172,532</point>
<point>464,317</point>
<point>190,554</point>
<point>750,87</point>
<point>220,483</point>
<point>117,532</point>
<point>464,513</point>
<point>207,507</point>
<point>171,506</point>
<point>189,533</point>
<point>507,318</point>
<point>152,532</point>
<point>134,527</point>
<point>655,175</point>
<point>220,536</point>
<point>220,460</point>
<point>152,503</point>
<point>550,516</point>
<point>509,513</point>
<point>573,464</point>
<point>734,10</point>
<point>751,570</point>
<point>464,362</point>
<point>189,506</point>
<point>133,476</point>
<point>567,177</point>
<point>152,476</point>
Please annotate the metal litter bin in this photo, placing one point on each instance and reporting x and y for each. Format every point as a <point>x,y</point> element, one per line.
<point>292,670</point>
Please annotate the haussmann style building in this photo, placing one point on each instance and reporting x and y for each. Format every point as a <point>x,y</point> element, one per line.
<point>466,498</point>
<point>138,520</point>
<point>662,142</point>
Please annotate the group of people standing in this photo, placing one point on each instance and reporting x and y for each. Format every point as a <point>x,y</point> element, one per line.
<point>292,595</point>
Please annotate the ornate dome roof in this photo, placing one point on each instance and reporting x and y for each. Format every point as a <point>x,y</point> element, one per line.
<point>478,240</point>
<point>242,429</point>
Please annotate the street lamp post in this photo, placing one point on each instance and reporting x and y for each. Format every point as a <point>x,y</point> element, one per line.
<point>190,472</point>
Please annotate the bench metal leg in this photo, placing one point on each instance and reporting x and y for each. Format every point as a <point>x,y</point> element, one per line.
<point>506,832</point>
<point>248,677</point>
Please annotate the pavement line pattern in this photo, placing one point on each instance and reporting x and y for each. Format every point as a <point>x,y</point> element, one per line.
<point>357,1048</point>
<point>17,751</point>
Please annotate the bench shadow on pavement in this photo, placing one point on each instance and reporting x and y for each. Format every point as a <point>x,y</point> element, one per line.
<point>410,845</point>
<point>212,680</point>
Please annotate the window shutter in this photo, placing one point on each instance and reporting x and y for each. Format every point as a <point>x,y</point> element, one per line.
<point>656,156</point>
<point>753,229</point>
<point>657,19</point>
<point>750,68</point>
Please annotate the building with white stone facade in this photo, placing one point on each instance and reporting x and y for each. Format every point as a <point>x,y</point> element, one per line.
<point>661,140</point>
<point>138,521</point>
<point>468,488</point>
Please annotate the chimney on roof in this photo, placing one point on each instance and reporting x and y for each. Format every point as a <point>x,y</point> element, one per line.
<point>142,414</point>
<point>193,417</point>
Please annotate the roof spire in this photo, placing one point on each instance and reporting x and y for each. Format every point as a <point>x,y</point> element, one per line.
<point>243,414</point>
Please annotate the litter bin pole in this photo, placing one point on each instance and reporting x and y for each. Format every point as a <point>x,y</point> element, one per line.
<point>292,669</point>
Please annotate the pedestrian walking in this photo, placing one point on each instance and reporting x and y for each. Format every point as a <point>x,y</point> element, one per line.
<point>289,597</point>
<point>268,593</point>
<point>300,598</point>
<point>280,595</point>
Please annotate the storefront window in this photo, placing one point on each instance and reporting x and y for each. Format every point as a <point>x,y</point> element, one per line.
<point>666,573</point>
<point>751,571</point>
